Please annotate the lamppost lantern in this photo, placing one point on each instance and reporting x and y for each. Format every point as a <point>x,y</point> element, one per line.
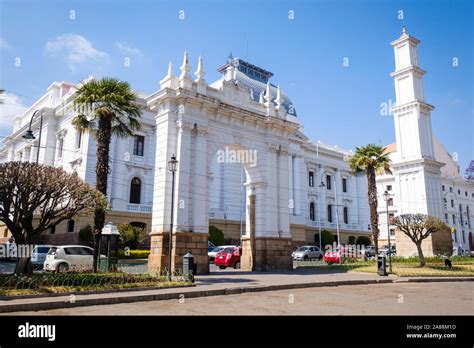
<point>172,164</point>
<point>112,234</point>
<point>28,136</point>
<point>386,196</point>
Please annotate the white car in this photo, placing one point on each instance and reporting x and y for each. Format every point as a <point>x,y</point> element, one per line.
<point>69,258</point>
<point>212,254</point>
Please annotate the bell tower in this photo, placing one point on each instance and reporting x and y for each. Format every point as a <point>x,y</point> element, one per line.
<point>416,171</point>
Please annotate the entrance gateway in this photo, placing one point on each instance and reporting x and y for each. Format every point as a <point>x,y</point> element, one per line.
<point>240,118</point>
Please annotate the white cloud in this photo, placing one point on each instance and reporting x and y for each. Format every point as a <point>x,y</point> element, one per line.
<point>10,108</point>
<point>4,44</point>
<point>77,48</point>
<point>127,49</point>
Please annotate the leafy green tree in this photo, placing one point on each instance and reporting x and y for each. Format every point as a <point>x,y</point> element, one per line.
<point>418,227</point>
<point>216,236</point>
<point>35,198</point>
<point>363,240</point>
<point>86,235</point>
<point>110,109</point>
<point>371,159</point>
<point>131,236</point>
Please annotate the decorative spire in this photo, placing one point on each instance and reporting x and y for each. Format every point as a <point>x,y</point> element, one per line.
<point>279,99</point>
<point>200,73</point>
<point>251,94</point>
<point>261,101</point>
<point>230,58</point>
<point>170,70</point>
<point>404,31</point>
<point>268,94</point>
<point>185,67</point>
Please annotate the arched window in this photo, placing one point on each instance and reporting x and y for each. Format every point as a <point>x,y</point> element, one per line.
<point>135,190</point>
<point>311,211</point>
<point>330,213</point>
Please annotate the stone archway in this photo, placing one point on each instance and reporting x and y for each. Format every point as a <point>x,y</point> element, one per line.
<point>194,122</point>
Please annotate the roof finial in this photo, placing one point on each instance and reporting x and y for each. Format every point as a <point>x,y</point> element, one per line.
<point>170,70</point>
<point>268,94</point>
<point>404,30</point>
<point>279,99</point>
<point>200,73</point>
<point>230,58</point>
<point>185,67</point>
<point>261,101</point>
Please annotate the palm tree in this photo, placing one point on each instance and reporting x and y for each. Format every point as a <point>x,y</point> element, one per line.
<point>111,111</point>
<point>371,159</point>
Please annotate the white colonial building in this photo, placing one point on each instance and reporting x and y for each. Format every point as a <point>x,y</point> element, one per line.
<point>425,178</point>
<point>209,127</point>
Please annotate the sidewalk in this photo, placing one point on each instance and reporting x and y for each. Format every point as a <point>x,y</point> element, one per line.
<point>219,283</point>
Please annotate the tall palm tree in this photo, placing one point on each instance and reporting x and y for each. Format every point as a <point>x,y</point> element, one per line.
<point>371,159</point>
<point>112,111</point>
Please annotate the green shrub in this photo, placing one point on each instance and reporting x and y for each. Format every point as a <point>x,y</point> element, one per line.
<point>86,235</point>
<point>363,240</point>
<point>131,236</point>
<point>216,236</point>
<point>352,240</point>
<point>134,254</point>
<point>327,238</point>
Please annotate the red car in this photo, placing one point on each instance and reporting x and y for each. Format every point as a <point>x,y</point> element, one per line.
<point>229,257</point>
<point>334,255</point>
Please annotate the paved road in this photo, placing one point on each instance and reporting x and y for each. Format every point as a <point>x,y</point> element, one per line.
<point>382,299</point>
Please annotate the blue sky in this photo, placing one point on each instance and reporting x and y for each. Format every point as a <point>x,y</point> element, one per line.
<point>337,104</point>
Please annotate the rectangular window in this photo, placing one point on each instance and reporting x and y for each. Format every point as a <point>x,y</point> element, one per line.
<point>389,187</point>
<point>311,178</point>
<point>391,217</point>
<point>455,233</point>
<point>451,189</point>
<point>446,217</point>
<point>330,213</point>
<point>52,230</point>
<point>70,226</point>
<point>392,232</point>
<point>138,145</point>
<point>452,203</point>
<point>390,202</point>
<point>463,234</point>
<point>60,147</point>
<point>346,215</point>
<point>344,185</point>
<point>454,219</point>
<point>78,139</point>
<point>328,182</point>
<point>442,187</point>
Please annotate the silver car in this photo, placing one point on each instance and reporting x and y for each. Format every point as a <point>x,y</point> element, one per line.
<point>38,255</point>
<point>307,252</point>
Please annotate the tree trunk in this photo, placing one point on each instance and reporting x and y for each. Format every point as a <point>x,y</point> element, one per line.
<point>104,135</point>
<point>420,255</point>
<point>372,195</point>
<point>24,266</point>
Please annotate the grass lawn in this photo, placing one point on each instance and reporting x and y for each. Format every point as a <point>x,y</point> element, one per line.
<point>11,285</point>
<point>407,267</point>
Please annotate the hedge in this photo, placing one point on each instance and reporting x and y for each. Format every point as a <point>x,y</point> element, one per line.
<point>134,254</point>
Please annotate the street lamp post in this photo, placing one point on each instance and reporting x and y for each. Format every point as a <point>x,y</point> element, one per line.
<point>172,165</point>
<point>29,133</point>
<point>386,196</point>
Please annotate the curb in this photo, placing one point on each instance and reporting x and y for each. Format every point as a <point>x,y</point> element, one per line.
<point>91,292</point>
<point>65,302</point>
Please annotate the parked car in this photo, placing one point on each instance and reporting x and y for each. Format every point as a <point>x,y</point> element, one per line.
<point>307,252</point>
<point>69,258</point>
<point>369,251</point>
<point>334,255</point>
<point>459,251</point>
<point>384,250</point>
<point>229,257</point>
<point>212,254</point>
<point>38,256</point>
<point>210,246</point>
